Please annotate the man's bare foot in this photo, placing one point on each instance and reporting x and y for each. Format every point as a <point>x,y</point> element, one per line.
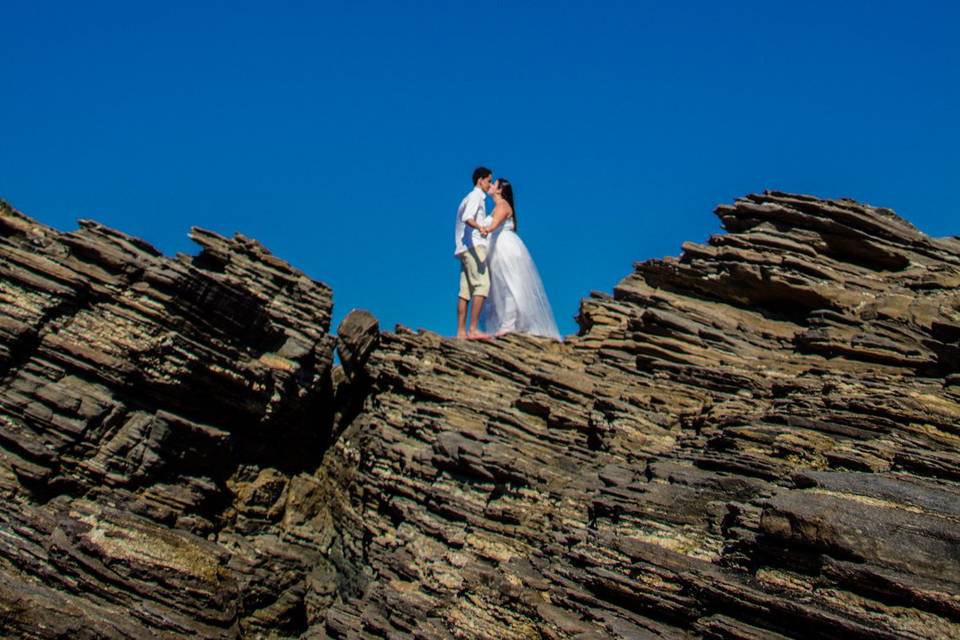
<point>461,335</point>
<point>478,335</point>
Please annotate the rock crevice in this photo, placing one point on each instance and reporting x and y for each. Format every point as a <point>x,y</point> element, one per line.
<point>758,438</point>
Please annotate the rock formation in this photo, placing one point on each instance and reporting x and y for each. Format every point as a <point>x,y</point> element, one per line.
<point>758,439</point>
<point>159,420</point>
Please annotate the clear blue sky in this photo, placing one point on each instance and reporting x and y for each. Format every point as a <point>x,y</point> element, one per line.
<point>343,134</point>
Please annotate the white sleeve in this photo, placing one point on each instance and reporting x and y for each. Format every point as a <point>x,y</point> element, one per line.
<point>469,208</point>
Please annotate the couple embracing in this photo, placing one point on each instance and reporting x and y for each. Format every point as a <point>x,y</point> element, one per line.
<point>497,275</point>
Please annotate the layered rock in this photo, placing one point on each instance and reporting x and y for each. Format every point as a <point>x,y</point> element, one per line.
<point>156,419</point>
<point>757,439</point>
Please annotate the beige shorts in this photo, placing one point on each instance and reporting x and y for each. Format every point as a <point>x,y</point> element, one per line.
<point>474,277</point>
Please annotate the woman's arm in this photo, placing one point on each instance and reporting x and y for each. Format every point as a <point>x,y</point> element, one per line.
<point>499,215</point>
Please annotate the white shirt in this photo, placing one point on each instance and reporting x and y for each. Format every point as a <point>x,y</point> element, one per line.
<point>472,207</point>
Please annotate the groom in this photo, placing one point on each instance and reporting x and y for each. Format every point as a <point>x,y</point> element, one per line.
<point>471,249</point>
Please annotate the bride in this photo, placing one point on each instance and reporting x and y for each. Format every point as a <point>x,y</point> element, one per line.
<point>517,300</point>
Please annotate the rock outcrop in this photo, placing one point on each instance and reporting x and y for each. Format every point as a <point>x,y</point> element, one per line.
<point>758,439</point>
<point>160,420</point>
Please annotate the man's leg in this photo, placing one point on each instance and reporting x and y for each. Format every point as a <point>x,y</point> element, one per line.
<point>461,318</point>
<point>475,317</point>
<point>463,299</point>
<point>480,281</point>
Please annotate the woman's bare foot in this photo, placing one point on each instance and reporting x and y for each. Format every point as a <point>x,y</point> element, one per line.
<point>478,335</point>
<point>461,335</point>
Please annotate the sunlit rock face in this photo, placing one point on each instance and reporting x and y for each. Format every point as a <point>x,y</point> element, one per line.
<point>160,423</point>
<point>758,439</point>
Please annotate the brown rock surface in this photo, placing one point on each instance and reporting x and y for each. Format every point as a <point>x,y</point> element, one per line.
<point>758,439</point>
<point>159,425</point>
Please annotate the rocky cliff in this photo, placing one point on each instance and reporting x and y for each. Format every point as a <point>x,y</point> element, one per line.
<point>758,439</point>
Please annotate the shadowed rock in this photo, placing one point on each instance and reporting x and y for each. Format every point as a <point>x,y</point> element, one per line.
<point>757,439</point>
<point>156,415</point>
<point>359,335</point>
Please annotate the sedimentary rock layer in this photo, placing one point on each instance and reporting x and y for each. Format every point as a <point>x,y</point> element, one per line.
<point>758,439</point>
<point>156,419</point>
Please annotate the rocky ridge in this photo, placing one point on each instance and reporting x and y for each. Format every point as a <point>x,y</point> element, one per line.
<point>152,412</point>
<point>758,439</point>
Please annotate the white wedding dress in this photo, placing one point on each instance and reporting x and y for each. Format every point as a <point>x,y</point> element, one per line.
<point>517,302</point>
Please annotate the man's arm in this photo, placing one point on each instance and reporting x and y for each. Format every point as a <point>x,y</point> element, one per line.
<point>471,209</point>
<point>473,203</point>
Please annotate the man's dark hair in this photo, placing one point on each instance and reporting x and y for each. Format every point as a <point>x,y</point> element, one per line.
<point>480,173</point>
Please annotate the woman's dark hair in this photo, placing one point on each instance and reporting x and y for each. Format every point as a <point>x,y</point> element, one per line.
<point>480,173</point>
<point>506,190</point>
